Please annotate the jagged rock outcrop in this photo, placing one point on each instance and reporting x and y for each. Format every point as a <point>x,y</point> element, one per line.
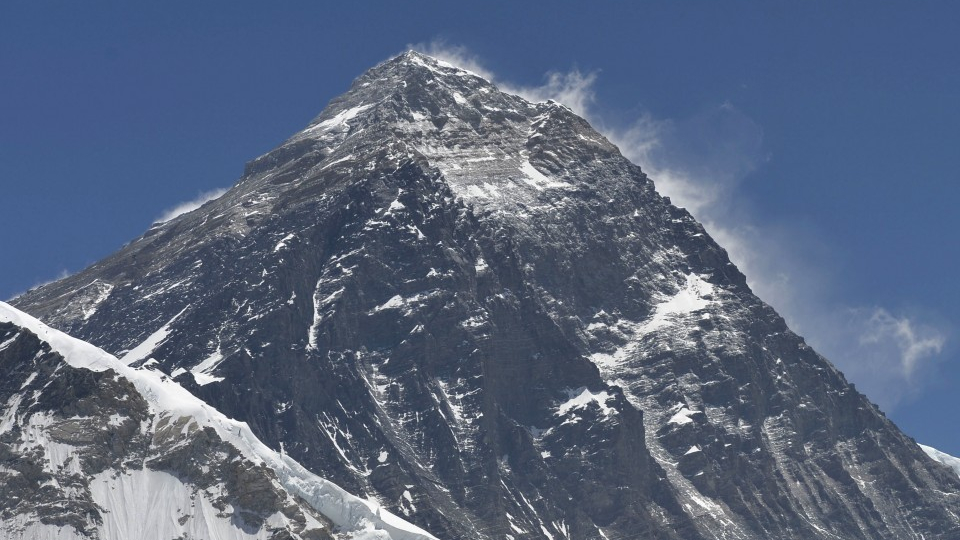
<point>474,309</point>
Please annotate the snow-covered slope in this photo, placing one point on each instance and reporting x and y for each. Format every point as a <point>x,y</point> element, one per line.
<point>946,459</point>
<point>152,503</point>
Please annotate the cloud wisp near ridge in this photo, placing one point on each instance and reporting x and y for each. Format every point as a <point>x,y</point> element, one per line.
<point>191,205</point>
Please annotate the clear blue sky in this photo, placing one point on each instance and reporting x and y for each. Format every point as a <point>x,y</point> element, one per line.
<point>829,134</point>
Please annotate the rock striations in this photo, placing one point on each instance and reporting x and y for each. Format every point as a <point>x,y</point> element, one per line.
<point>475,311</point>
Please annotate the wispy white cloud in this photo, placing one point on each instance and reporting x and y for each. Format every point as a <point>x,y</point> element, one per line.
<point>189,206</point>
<point>60,275</point>
<point>167,215</point>
<point>700,163</point>
<point>891,357</point>
<point>916,342</point>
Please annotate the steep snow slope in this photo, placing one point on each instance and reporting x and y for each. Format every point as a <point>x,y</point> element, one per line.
<point>147,503</point>
<point>946,459</point>
<point>475,310</point>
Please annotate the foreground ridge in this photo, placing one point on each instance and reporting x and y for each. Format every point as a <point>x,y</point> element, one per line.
<point>475,310</point>
<point>138,448</point>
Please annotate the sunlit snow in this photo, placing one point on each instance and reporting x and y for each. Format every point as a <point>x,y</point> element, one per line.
<point>946,459</point>
<point>339,119</point>
<point>692,297</point>
<point>581,397</point>
<point>168,399</point>
<point>145,348</point>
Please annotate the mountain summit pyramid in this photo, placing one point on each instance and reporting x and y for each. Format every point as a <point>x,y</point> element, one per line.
<point>475,311</point>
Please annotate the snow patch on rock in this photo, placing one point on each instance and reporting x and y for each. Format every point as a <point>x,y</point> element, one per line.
<point>145,348</point>
<point>582,397</point>
<point>696,294</point>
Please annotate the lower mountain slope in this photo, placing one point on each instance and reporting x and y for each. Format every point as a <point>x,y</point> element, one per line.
<point>474,310</point>
<point>93,449</point>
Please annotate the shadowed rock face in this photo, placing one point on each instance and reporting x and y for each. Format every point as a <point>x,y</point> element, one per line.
<point>474,309</point>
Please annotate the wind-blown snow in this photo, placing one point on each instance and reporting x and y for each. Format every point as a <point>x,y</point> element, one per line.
<point>167,398</point>
<point>190,206</point>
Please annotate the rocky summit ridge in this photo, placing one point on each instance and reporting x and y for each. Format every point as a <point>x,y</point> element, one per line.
<point>475,311</point>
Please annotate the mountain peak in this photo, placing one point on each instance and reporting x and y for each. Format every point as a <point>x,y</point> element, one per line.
<point>487,144</point>
<point>417,70</point>
<point>411,84</point>
<point>436,65</point>
<point>475,310</point>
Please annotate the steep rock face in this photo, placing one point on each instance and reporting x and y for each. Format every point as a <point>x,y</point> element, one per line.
<point>474,309</point>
